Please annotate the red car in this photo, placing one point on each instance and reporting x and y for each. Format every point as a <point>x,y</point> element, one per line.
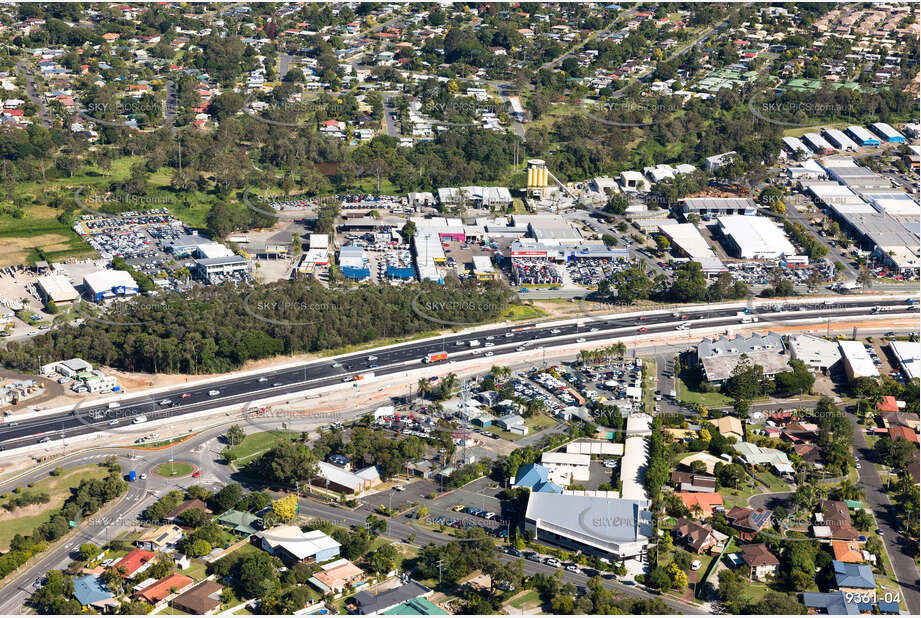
<point>642,318</point>
<point>184,395</point>
<point>643,329</point>
<point>196,474</point>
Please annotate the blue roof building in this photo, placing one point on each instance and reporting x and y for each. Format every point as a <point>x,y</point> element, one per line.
<point>535,477</point>
<point>91,591</point>
<point>851,575</point>
<point>831,603</point>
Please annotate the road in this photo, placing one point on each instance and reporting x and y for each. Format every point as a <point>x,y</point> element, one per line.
<point>32,92</point>
<point>243,390</point>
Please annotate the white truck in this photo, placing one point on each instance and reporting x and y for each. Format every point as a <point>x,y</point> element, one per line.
<point>474,343</point>
<point>139,419</point>
<point>746,318</point>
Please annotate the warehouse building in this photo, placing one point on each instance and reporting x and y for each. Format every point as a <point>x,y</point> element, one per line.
<point>483,270</point>
<point>862,136</point>
<point>839,140</point>
<point>688,241</point>
<point>718,206</point>
<point>106,284</point>
<point>57,289</point>
<point>900,206</point>
<point>605,527</point>
<point>848,172</point>
<point>548,229</point>
<point>908,355</point>
<point>887,133</point>
<point>795,147</point>
<point>816,353</point>
<point>817,143</point>
<point>857,361</point>
<point>757,238</point>
<point>353,263</point>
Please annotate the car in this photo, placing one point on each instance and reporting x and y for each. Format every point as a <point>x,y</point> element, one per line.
<point>196,474</point>
<point>489,354</point>
<point>551,561</point>
<point>458,508</point>
<point>610,463</point>
<point>696,565</point>
<point>185,395</point>
<point>488,345</point>
<point>643,329</point>
<point>580,340</point>
<point>879,531</point>
<point>45,439</point>
<point>399,488</point>
<point>115,421</point>
<point>276,383</point>
<point>38,583</point>
<point>858,466</point>
<point>555,331</point>
<point>166,402</point>
<point>372,358</point>
<point>572,568</point>
<point>263,379</point>
<point>143,477</point>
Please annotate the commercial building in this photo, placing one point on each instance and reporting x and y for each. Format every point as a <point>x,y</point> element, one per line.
<point>717,161</point>
<point>105,284</point>
<point>548,229</point>
<point>857,361</point>
<point>839,140</point>
<point>719,357</point>
<point>718,206</point>
<point>687,240</point>
<point>536,478</point>
<point>354,263</point>
<point>795,147</point>
<point>848,172</point>
<point>57,289</point>
<point>908,355</point>
<point>606,527</point>
<point>565,468</point>
<point>483,270</point>
<point>756,238</point>
<point>636,456</point>
<point>816,353</point>
<point>634,182</point>
<point>862,136</point>
<point>345,481</point>
<point>887,133</point>
<point>817,143</point>
<point>211,267</point>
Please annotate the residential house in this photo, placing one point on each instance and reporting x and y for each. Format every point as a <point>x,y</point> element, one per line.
<point>755,455</point>
<point>203,599</point>
<point>761,563</point>
<point>161,539</point>
<point>748,521</point>
<point>93,593</point>
<point>699,503</point>
<point>240,522</point>
<point>367,602</point>
<point>810,453</point>
<point>853,578</point>
<point>901,419</point>
<point>164,587</point>
<point>688,481</point>
<point>837,517</point>
<point>134,562</point>
<point>336,576</point>
<point>697,537</point>
<point>729,426</point>
<point>904,433</point>
<point>188,505</point>
<point>847,551</point>
<point>834,603</point>
<point>338,479</point>
<point>293,545</point>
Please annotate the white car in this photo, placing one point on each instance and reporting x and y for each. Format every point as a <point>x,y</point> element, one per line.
<point>695,565</point>
<point>399,488</point>
<point>572,568</point>
<point>372,358</point>
<point>488,345</point>
<point>554,562</point>
<point>580,340</point>
<point>143,477</point>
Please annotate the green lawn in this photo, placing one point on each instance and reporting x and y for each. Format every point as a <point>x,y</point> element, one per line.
<point>58,488</point>
<point>531,597</point>
<point>708,400</point>
<point>174,469</point>
<point>256,443</point>
<point>196,570</point>
<point>522,312</point>
<point>536,423</point>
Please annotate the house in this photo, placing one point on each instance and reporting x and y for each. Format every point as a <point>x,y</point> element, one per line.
<point>729,426</point>
<point>240,522</point>
<point>536,478</point>
<point>854,578</point>
<point>761,563</point>
<point>292,545</point>
<point>367,602</point>
<point>688,481</point>
<point>847,551</point>
<point>700,502</point>
<point>832,603</point>
<point>336,478</point>
<point>337,576</point>
<point>513,423</point>
<point>708,460</point>
<point>160,539</point>
<point>92,592</point>
<point>837,518</point>
<point>810,453</point>
<point>164,587</point>
<point>748,521</point>
<point>903,433</point>
<point>188,505</point>
<point>754,455</point>
<point>887,404</point>
<point>202,599</point>
<point>697,537</point>
<point>134,562</point>
<point>901,419</point>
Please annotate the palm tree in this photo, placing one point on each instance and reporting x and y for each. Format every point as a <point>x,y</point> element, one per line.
<point>448,384</point>
<point>424,387</point>
<point>849,491</point>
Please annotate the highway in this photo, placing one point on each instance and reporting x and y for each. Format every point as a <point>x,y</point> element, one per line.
<point>494,341</point>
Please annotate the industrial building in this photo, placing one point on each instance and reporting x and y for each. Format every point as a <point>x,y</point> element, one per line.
<point>209,268</point>
<point>105,284</point>
<point>887,133</point>
<point>57,289</point>
<point>483,270</point>
<point>548,229</point>
<point>795,147</point>
<point>687,240</point>
<point>848,172</point>
<point>839,140</point>
<point>717,161</point>
<point>857,361</point>
<point>353,263</point>
<point>605,527</point>
<point>817,143</point>
<point>862,136</point>
<point>816,353</point>
<point>757,238</point>
<point>718,206</point>
<point>908,355</point>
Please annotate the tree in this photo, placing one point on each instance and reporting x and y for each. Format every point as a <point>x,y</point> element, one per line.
<point>288,462</point>
<point>795,382</point>
<point>384,558</point>
<point>285,508</point>
<point>88,551</point>
<point>744,385</point>
<point>235,435</point>
<point>617,204</point>
<point>256,575</point>
<point>408,231</point>
<point>227,498</point>
<point>194,518</point>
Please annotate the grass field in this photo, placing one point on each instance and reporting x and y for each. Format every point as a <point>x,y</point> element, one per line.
<point>529,598</point>
<point>256,443</point>
<point>522,312</point>
<point>536,423</point>
<point>708,400</point>
<point>175,469</point>
<point>58,488</point>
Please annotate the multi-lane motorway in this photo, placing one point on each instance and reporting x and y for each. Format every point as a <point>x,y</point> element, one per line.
<point>496,341</point>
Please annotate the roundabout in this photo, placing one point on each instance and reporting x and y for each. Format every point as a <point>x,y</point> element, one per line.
<point>174,469</point>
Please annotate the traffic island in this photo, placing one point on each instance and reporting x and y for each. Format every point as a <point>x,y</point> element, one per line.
<point>174,470</point>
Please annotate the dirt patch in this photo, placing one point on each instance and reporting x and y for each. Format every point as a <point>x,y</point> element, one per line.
<point>33,509</point>
<point>15,250</point>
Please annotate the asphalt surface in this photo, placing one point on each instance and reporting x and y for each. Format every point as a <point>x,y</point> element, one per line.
<point>243,390</point>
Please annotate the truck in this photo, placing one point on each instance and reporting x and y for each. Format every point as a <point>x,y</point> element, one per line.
<point>745,318</point>
<point>132,476</point>
<point>114,405</point>
<point>139,419</point>
<point>474,343</point>
<point>434,357</point>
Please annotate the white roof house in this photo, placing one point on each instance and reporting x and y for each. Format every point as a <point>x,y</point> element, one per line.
<point>299,544</point>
